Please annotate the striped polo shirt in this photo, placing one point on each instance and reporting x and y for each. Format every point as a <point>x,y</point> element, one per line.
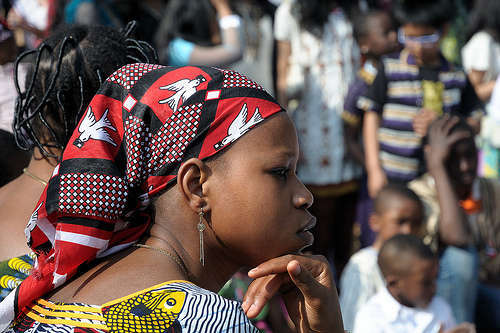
<point>400,89</point>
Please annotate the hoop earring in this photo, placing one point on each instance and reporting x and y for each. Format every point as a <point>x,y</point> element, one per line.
<point>201,228</point>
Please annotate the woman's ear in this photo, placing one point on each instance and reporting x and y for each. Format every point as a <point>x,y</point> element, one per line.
<point>191,176</point>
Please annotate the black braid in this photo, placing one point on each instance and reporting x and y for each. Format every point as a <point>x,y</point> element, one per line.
<point>66,71</point>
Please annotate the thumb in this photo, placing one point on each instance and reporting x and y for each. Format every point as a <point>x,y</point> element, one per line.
<point>302,278</point>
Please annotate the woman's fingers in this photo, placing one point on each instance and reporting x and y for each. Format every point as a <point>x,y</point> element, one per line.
<point>303,279</point>
<point>315,264</point>
<point>260,291</point>
<point>307,273</point>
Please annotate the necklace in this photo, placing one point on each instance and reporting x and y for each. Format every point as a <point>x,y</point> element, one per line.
<point>38,179</point>
<point>168,254</point>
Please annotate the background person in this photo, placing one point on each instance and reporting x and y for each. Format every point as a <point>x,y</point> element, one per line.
<point>317,59</point>
<point>411,89</point>
<point>397,210</point>
<point>375,34</point>
<point>462,220</point>
<point>199,32</point>
<point>409,303</point>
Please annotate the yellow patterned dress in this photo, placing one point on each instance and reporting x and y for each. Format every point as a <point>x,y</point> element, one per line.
<point>170,307</point>
<point>13,272</point>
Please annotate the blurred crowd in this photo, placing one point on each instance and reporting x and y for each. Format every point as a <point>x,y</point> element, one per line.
<point>397,109</point>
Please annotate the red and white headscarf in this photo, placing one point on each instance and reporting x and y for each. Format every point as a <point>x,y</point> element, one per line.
<point>138,129</point>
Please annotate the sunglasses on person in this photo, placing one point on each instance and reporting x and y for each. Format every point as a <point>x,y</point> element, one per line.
<point>425,40</point>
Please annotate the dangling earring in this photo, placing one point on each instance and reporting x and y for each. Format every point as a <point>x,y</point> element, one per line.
<point>201,228</point>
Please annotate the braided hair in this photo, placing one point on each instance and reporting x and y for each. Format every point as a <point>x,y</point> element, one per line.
<point>67,70</point>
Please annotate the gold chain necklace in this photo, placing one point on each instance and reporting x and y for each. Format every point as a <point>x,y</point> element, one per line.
<point>168,254</point>
<point>38,179</point>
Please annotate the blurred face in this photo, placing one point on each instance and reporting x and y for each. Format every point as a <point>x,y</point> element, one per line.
<point>259,206</point>
<point>418,287</point>
<point>382,37</point>
<point>462,165</point>
<point>422,42</point>
<point>402,216</point>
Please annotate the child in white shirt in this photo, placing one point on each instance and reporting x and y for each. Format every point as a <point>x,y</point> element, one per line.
<point>408,303</point>
<point>397,210</point>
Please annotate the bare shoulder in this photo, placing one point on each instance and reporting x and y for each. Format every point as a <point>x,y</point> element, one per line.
<point>120,275</point>
<point>17,202</point>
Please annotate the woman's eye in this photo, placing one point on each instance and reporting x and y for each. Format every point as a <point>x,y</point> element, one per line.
<point>281,173</point>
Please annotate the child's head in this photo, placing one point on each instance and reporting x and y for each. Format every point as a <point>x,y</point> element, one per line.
<point>410,269</point>
<point>423,24</point>
<point>67,70</point>
<point>397,210</point>
<point>462,161</point>
<point>375,34</point>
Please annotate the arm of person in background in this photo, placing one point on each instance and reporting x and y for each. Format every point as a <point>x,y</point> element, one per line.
<point>453,229</point>
<point>352,118</point>
<point>372,103</point>
<point>483,89</point>
<point>422,121</point>
<point>284,51</point>
<point>471,107</point>
<point>462,328</point>
<point>376,175</point>
<point>16,21</point>
<point>87,14</point>
<point>231,48</point>
<point>352,142</point>
<point>307,287</point>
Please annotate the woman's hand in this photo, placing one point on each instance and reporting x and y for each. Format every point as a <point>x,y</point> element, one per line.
<point>307,287</point>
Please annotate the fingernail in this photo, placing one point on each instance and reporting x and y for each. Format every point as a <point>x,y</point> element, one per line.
<point>251,308</point>
<point>244,306</point>
<point>296,270</point>
<point>253,270</point>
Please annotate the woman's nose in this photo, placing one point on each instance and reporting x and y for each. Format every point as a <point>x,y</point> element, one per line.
<point>303,198</point>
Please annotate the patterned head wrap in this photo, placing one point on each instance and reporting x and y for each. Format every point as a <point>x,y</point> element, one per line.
<point>141,125</point>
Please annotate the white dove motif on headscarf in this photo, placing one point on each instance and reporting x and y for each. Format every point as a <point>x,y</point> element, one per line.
<point>184,88</point>
<point>240,126</point>
<point>92,129</point>
<point>32,224</point>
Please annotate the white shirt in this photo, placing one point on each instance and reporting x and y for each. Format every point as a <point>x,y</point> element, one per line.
<point>360,280</point>
<point>383,314</point>
<point>482,53</point>
<point>9,93</point>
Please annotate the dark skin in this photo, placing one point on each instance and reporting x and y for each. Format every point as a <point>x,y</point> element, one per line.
<point>417,286</point>
<point>400,216</point>
<point>237,233</point>
<point>452,162</point>
<point>380,40</point>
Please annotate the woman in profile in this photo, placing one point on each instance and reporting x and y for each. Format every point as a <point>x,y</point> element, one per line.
<point>218,168</point>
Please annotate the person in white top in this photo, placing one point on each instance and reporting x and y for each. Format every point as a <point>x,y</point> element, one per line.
<point>409,302</point>
<point>31,16</point>
<point>481,60</point>
<point>397,210</point>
